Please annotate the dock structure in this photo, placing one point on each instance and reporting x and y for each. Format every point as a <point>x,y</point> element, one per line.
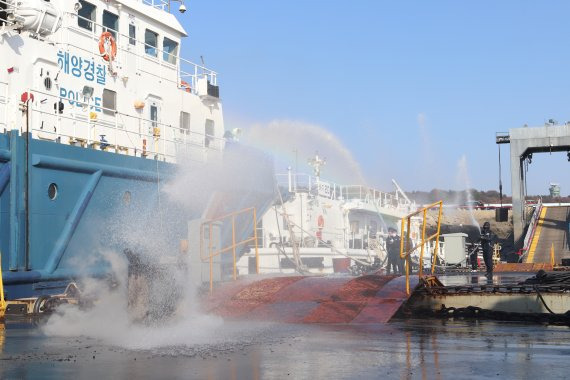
<point>523,143</point>
<point>551,237</point>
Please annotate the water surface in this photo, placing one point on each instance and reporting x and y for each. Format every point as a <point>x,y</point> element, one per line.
<point>410,349</point>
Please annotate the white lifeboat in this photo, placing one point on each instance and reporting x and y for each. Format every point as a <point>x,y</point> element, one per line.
<point>34,16</point>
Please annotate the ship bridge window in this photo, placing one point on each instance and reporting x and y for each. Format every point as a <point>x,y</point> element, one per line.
<point>170,50</point>
<point>132,34</point>
<point>86,15</point>
<point>154,115</point>
<point>110,23</point>
<point>109,102</point>
<point>151,43</point>
<point>184,122</point>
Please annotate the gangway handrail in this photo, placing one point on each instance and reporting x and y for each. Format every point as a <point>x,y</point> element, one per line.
<point>406,251</point>
<point>531,229</point>
<point>233,246</point>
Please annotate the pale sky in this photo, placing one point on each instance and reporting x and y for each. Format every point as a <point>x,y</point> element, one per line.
<point>412,90</point>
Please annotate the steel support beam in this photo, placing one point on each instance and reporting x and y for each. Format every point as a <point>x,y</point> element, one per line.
<point>72,222</point>
<point>524,141</point>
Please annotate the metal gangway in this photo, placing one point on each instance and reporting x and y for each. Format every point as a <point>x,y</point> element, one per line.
<point>550,240</point>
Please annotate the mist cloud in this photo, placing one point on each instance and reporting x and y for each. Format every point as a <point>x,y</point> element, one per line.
<point>282,137</point>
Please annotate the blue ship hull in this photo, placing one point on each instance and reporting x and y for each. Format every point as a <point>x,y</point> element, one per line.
<point>62,207</point>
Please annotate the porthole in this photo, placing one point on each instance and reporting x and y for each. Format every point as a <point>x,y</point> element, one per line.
<point>52,191</point>
<point>127,198</point>
<point>48,83</point>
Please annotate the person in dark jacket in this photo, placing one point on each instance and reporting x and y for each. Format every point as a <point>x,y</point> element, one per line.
<point>487,239</point>
<point>393,250</point>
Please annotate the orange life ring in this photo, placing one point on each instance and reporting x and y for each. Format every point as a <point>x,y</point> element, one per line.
<point>321,221</point>
<point>185,86</point>
<point>107,36</point>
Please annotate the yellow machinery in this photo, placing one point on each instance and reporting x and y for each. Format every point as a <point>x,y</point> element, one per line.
<point>36,306</point>
<point>406,250</point>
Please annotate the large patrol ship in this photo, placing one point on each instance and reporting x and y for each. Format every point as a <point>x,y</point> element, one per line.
<point>98,110</point>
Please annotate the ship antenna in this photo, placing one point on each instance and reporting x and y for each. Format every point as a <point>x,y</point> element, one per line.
<point>316,163</point>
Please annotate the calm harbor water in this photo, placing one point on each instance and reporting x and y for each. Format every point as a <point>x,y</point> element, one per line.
<point>409,349</point>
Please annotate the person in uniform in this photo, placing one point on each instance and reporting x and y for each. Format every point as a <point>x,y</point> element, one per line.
<point>487,239</point>
<point>393,250</point>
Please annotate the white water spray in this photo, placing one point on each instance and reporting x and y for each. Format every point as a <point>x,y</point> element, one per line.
<point>283,137</point>
<point>463,181</point>
<point>174,316</point>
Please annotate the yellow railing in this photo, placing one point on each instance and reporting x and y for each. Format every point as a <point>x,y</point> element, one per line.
<point>2,301</point>
<point>213,253</point>
<point>406,251</point>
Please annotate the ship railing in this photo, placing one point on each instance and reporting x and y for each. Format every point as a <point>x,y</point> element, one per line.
<point>295,181</point>
<point>187,72</point>
<point>207,254</point>
<point>163,5</point>
<point>407,249</point>
<point>306,183</point>
<point>160,137</point>
<point>316,186</point>
<point>370,195</point>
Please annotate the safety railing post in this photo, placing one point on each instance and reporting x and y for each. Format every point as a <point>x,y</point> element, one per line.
<point>421,269</point>
<point>211,258</point>
<point>408,253</point>
<point>234,244</point>
<point>402,252</point>
<point>201,242</point>
<point>436,250</point>
<point>255,241</point>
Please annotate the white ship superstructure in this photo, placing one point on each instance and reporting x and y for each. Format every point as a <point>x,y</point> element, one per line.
<point>98,111</point>
<point>106,75</point>
<point>319,226</point>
